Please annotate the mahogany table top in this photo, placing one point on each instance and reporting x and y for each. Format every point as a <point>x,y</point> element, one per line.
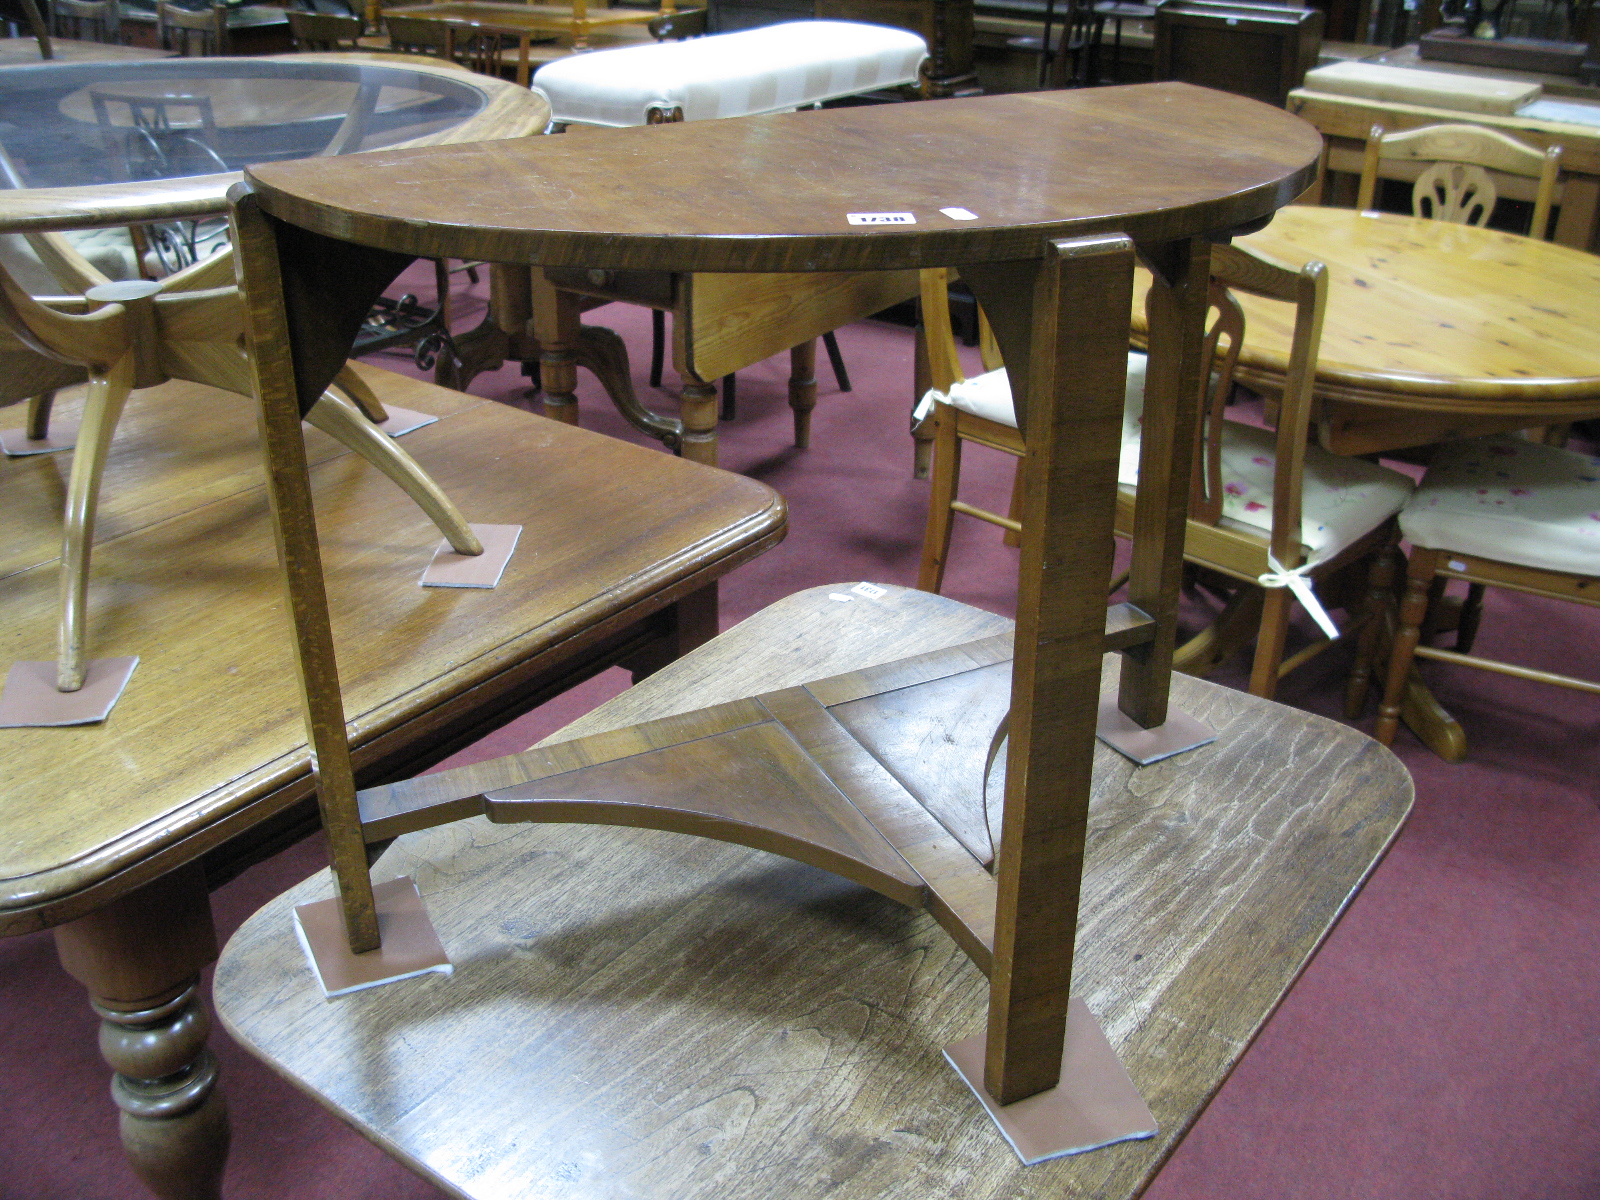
<point>1157,162</point>
<point>208,738</point>
<point>660,1017</point>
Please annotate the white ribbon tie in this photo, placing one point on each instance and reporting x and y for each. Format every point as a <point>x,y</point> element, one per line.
<point>1298,582</point>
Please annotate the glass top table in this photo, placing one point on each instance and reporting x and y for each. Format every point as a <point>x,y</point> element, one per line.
<point>95,142</point>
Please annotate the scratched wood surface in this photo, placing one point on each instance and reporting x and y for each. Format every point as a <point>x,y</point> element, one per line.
<point>639,1014</point>
<point>1156,162</point>
<point>207,740</point>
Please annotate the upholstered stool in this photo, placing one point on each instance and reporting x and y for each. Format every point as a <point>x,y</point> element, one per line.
<point>777,67</point>
<point>740,74</point>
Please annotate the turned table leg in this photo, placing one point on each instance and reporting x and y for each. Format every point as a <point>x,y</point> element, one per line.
<point>556,324</point>
<point>698,404</point>
<point>803,389</point>
<point>140,958</point>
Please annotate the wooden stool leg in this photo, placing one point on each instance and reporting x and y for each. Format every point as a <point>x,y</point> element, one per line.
<point>1413,609</point>
<point>341,419</point>
<point>349,382</point>
<point>1177,307</point>
<point>946,486</point>
<point>699,406</point>
<point>140,958</point>
<point>39,416</point>
<point>101,410</point>
<point>803,389</point>
<point>556,319</point>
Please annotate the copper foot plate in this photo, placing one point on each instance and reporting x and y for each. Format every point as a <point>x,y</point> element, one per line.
<point>410,945</point>
<point>1094,1105</point>
<point>1179,732</point>
<point>30,697</point>
<point>449,569</point>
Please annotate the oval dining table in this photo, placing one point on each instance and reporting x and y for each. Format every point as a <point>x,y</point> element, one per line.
<point>1434,331</point>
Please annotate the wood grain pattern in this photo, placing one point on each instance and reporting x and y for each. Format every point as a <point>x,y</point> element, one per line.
<point>1432,330</point>
<point>187,580</point>
<point>669,1017</point>
<point>1191,161</point>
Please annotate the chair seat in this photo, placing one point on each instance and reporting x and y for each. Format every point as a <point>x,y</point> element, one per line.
<point>1512,501</point>
<point>109,250</point>
<point>1343,499</point>
<point>763,70</point>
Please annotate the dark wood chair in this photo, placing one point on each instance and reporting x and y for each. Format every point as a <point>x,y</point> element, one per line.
<point>1256,50</point>
<point>86,20</point>
<point>323,31</point>
<point>190,33</point>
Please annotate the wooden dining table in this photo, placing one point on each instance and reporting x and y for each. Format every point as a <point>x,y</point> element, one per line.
<point>1434,331</point>
<point>544,32</point>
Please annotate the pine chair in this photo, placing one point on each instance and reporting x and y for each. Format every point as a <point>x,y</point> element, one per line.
<point>1455,183</point>
<point>314,31</point>
<point>1501,512</point>
<point>1266,509</point>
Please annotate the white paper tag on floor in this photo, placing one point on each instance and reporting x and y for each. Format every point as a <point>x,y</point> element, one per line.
<point>30,697</point>
<point>449,569</point>
<point>403,420</point>
<point>17,444</point>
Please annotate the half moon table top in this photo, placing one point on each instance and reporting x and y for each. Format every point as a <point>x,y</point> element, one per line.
<point>1157,162</point>
<point>83,163</point>
<point>1428,314</point>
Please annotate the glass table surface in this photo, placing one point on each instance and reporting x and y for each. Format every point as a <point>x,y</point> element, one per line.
<point>86,124</point>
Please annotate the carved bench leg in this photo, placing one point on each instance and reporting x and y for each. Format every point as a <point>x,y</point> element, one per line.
<point>140,958</point>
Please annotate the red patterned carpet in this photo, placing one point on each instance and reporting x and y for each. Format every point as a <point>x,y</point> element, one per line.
<point>1446,1042</point>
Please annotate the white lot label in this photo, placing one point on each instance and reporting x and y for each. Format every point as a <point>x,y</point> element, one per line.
<point>881,218</point>
<point>870,590</point>
<point>959,214</point>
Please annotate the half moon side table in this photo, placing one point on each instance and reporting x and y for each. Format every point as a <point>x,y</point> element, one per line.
<point>1074,187</point>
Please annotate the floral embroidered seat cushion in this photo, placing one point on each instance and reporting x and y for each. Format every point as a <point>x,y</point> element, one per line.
<point>1343,499</point>
<point>1512,501</point>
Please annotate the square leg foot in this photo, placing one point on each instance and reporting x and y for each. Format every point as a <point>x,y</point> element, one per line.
<point>1094,1105</point>
<point>410,945</point>
<point>449,569</point>
<point>1179,732</point>
<point>17,444</point>
<point>30,697</point>
<point>403,420</point>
